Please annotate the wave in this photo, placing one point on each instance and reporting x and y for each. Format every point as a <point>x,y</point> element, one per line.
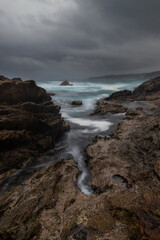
<point>98,126</point>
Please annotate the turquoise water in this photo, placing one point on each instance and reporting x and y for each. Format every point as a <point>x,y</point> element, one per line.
<point>88,92</point>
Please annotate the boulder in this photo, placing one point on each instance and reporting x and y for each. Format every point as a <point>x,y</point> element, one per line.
<point>103,108</point>
<point>66,83</point>
<point>15,91</point>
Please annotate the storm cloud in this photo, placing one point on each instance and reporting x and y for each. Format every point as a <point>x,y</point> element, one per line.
<point>57,39</point>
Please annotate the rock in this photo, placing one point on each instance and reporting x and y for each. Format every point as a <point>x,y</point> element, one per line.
<point>17,79</point>
<point>78,102</point>
<point>104,108</point>
<point>2,78</point>
<point>120,96</point>
<point>126,185</point>
<point>147,91</point>
<point>66,83</point>
<point>51,93</point>
<point>15,91</point>
<point>125,176</point>
<point>29,123</point>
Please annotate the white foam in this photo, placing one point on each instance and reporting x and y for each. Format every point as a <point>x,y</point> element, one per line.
<point>100,125</point>
<point>84,175</point>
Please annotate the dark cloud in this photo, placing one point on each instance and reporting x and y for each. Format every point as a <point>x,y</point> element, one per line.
<point>78,38</point>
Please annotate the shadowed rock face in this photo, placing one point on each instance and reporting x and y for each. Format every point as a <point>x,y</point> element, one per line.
<point>29,122</point>
<point>148,91</point>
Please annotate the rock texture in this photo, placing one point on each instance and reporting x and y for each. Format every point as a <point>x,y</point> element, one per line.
<point>29,122</point>
<point>126,201</point>
<point>125,170</point>
<point>148,91</point>
<point>103,107</point>
<point>66,83</point>
<point>120,96</point>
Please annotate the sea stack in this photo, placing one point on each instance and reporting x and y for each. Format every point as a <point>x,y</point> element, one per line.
<point>66,83</point>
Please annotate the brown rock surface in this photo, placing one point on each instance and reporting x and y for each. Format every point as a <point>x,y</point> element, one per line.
<point>29,122</point>
<point>125,205</point>
<point>103,107</point>
<point>120,96</point>
<point>126,181</point>
<point>148,91</point>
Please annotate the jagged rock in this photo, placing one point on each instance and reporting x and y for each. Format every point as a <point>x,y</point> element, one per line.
<point>15,91</point>
<point>126,202</point>
<point>104,108</point>
<point>120,96</point>
<point>29,122</point>
<point>148,91</point>
<point>125,173</point>
<point>78,102</point>
<point>66,83</point>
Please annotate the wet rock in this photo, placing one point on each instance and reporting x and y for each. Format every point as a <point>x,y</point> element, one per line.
<point>126,202</point>
<point>124,171</point>
<point>78,102</point>
<point>103,108</point>
<point>51,94</point>
<point>148,91</point>
<point>66,83</point>
<point>29,122</point>
<point>15,91</point>
<point>120,96</point>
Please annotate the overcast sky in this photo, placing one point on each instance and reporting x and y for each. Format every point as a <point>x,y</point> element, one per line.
<point>63,39</point>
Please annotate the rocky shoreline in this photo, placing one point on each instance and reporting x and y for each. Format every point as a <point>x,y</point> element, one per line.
<point>125,171</point>
<point>29,124</point>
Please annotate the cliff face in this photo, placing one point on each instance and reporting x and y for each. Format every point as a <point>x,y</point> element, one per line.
<point>125,170</point>
<point>29,122</point>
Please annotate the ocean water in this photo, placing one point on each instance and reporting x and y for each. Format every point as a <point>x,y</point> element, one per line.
<point>84,126</point>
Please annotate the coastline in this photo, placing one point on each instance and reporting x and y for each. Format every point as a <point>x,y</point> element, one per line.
<point>125,172</point>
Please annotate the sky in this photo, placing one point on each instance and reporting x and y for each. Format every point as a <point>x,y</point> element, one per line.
<point>74,39</point>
